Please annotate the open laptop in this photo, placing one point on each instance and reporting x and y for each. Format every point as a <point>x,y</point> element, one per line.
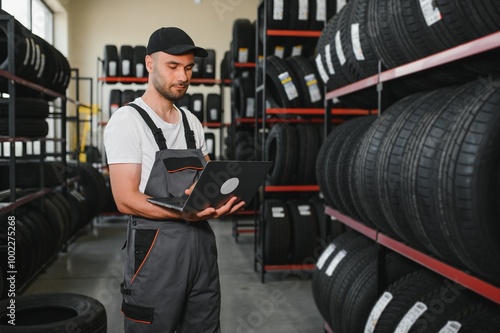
<point>218,182</point>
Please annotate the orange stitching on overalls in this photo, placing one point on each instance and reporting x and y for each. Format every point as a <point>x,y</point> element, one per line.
<point>185,168</point>
<point>146,257</point>
<point>137,321</point>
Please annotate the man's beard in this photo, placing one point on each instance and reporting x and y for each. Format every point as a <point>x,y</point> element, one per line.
<point>166,93</point>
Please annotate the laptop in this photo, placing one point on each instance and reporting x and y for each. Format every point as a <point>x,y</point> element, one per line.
<point>218,182</point>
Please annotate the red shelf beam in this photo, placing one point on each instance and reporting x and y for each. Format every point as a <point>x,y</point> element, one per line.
<point>477,46</point>
<point>360,227</point>
<point>145,80</point>
<point>479,286</point>
<point>244,64</point>
<point>289,267</point>
<point>292,188</point>
<point>320,111</point>
<point>473,283</point>
<point>293,33</point>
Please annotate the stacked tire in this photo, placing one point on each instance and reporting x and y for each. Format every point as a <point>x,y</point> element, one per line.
<point>35,60</point>
<point>293,150</point>
<point>45,225</point>
<point>396,33</point>
<point>292,231</point>
<point>426,173</point>
<point>354,296</point>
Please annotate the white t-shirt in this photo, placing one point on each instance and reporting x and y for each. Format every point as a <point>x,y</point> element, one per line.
<point>128,139</point>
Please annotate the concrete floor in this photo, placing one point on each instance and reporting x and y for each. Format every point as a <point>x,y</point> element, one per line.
<point>93,267</point>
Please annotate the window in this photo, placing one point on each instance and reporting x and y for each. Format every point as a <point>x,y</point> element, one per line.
<point>33,14</point>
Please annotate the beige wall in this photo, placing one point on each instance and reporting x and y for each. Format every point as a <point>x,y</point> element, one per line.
<point>94,23</point>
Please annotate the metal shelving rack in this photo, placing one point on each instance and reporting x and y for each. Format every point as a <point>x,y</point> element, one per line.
<point>473,283</point>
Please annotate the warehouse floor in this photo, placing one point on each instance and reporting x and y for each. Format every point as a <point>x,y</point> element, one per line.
<point>92,266</point>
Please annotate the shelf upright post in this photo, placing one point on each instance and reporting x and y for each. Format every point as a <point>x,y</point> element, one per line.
<point>11,67</point>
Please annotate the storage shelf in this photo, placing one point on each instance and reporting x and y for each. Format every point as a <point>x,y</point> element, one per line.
<point>10,206</point>
<point>473,283</point>
<point>476,46</point>
<point>30,84</point>
<point>212,124</point>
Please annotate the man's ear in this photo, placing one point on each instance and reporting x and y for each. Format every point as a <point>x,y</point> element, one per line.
<point>149,63</point>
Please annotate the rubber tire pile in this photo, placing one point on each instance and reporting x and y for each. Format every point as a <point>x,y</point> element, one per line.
<point>292,80</point>
<point>398,32</point>
<point>412,299</point>
<point>54,312</point>
<point>45,225</point>
<point>294,231</point>
<point>426,172</point>
<point>35,60</point>
<point>31,117</point>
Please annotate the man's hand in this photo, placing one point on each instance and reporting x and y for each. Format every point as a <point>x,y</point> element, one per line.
<point>211,213</point>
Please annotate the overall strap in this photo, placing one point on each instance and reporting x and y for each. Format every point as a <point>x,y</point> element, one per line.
<point>188,133</point>
<point>157,133</point>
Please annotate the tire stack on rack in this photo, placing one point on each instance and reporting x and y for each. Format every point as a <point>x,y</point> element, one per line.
<point>294,232</point>
<point>351,298</point>
<point>240,139</point>
<point>45,225</point>
<point>292,228</point>
<point>35,60</point>
<point>425,172</point>
<point>396,33</point>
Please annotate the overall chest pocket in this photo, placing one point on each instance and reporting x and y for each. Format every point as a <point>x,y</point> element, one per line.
<point>182,172</point>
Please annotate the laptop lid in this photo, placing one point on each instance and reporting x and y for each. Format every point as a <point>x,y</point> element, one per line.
<point>219,181</point>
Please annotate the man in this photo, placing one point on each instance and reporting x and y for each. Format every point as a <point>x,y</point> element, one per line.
<point>171,279</point>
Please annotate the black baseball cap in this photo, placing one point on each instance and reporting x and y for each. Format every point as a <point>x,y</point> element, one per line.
<point>174,41</point>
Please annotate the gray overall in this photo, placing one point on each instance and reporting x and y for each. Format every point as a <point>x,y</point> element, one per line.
<point>171,279</point>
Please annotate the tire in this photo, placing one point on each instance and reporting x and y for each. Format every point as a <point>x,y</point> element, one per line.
<point>243,42</point>
<point>468,201</point>
<point>389,163</point>
<point>139,62</point>
<point>31,108</point>
<point>280,85</point>
<point>115,100</point>
<point>126,58</point>
<point>304,231</point>
<point>419,159</point>
<point>277,12</point>
<point>209,67</point>
<point>277,233</point>
<point>309,85</point>
<point>346,171</point>
<point>210,144</point>
<point>111,65</point>
<point>366,167</point>
<point>184,102</point>
<point>418,290</point>
<point>363,288</point>
<point>308,148</point>
<point>353,262</point>
<point>54,312</point>
<point>197,71</point>
<point>197,106</point>
<point>339,258</point>
<point>93,186</point>
<point>127,96</point>
<point>333,161</point>
<point>214,108</point>
<point>34,128</point>
<point>298,14</point>
<point>318,15</point>
<point>28,174</point>
<point>281,148</point>
<point>244,97</point>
